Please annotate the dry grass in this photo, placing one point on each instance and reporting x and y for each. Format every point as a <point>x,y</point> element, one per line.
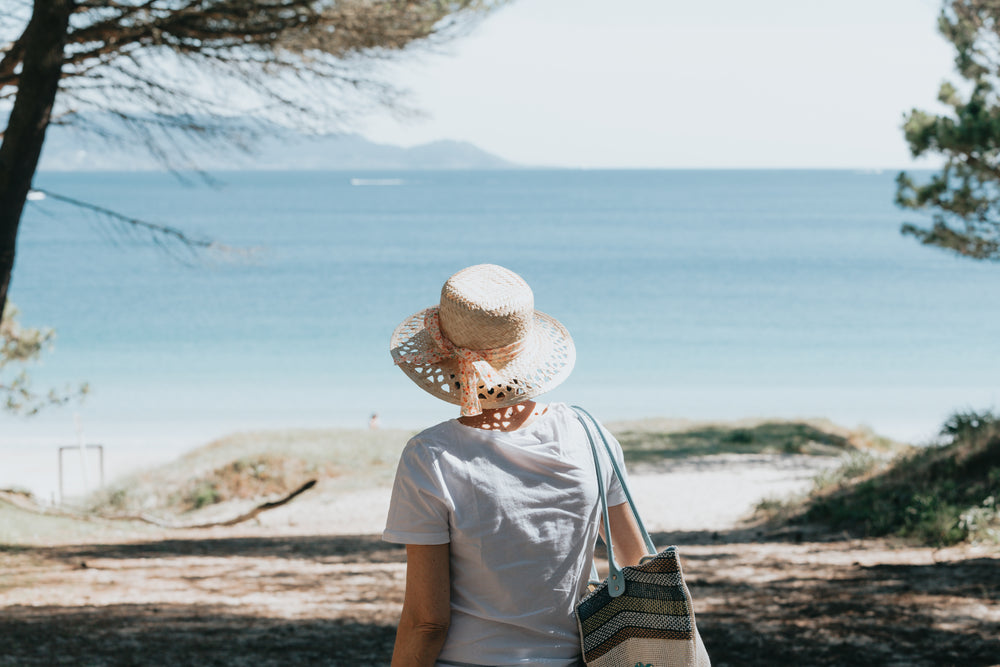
<point>19,528</point>
<point>251,466</point>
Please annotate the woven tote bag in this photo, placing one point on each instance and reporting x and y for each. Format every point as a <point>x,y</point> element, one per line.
<point>639,616</point>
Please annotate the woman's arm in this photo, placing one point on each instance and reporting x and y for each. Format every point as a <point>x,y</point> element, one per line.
<point>625,536</point>
<point>426,606</point>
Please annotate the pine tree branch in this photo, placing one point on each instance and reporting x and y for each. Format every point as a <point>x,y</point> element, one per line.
<point>162,231</point>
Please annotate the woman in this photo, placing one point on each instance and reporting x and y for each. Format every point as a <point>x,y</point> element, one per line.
<point>499,508</point>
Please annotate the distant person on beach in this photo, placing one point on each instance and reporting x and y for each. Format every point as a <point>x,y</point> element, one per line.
<point>498,508</point>
<point>373,422</point>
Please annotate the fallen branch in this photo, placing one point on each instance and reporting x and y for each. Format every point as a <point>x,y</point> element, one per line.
<point>239,519</point>
<point>23,502</point>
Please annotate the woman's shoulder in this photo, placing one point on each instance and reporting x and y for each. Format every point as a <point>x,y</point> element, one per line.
<point>435,437</point>
<point>445,429</point>
<point>564,415</point>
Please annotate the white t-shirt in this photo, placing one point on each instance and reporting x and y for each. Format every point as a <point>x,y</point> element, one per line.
<point>521,512</point>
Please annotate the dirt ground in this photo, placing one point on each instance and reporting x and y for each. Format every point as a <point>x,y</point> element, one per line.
<point>288,592</point>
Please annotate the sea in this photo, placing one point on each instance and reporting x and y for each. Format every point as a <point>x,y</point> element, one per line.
<point>704,295</point>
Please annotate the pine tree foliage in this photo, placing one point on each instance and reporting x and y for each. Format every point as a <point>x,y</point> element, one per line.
<point>196,67</point>
<point>964,197</point>
<point>19,347</point>
<point>193,65</point>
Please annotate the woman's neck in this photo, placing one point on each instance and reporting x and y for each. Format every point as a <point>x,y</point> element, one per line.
<point>506,419</point>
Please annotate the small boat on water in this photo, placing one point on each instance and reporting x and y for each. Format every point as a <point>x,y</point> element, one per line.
<point>377,181</point>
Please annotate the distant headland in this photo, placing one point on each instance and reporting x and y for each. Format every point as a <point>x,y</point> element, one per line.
<point>269,147</point>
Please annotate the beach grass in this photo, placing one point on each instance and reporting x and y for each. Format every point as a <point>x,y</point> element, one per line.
<point>937,495</point>
<point>22,527</point>
<point>649,442</point>
<point>254,465</point>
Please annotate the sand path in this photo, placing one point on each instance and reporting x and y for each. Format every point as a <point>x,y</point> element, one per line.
<point>699,493</point>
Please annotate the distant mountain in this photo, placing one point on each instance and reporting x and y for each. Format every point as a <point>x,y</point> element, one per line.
<point>279,149</point>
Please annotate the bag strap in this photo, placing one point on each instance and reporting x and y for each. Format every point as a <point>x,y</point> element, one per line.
<point>616,583</point>
<point>650,547</point>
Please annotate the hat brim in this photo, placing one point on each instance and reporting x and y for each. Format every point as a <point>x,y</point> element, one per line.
<point>546,360</point>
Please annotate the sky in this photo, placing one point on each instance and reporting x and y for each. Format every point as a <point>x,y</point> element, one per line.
<point>672,84</point>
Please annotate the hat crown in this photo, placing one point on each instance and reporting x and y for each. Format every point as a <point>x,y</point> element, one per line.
<point>486,306</point>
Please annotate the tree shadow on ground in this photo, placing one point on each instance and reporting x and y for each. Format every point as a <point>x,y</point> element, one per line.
<point>919,615</point>
<point>349,548</point>
<point>761,599</point>
<point>369,548</point>
<point>118,635</point>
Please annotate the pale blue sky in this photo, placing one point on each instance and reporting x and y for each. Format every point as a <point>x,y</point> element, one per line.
<point>665,83</point>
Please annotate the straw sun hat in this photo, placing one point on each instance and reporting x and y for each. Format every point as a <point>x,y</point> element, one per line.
<point>485,346</point>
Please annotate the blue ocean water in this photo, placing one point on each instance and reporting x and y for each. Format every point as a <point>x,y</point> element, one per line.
<point>699,294</point>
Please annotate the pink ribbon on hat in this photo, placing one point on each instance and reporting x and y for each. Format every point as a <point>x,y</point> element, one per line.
<point>474,366</point>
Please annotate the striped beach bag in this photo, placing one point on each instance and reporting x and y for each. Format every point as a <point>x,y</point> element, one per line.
<point>639,616</point>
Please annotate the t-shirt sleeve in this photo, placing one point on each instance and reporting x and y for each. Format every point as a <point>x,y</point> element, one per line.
<point>418,509</point>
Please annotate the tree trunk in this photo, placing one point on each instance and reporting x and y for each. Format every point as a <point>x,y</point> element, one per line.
<point>44,39</point>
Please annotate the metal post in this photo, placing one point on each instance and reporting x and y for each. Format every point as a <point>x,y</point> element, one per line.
<point>80,448</point>
<point>83,453</point>
<point>60,476</point>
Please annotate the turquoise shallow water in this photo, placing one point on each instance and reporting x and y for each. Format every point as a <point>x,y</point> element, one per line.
<point>701,294</point>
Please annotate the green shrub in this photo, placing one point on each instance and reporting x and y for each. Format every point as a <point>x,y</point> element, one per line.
<point>983,521</point>
<point>202,495</point>
<point>118,499</point>
<point>855,465</point>
<point>740,436</point>
<point>938,495</point>
<point>969,424</point>
<point>648,446</point>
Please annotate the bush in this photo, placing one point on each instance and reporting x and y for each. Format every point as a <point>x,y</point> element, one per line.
<point>646,446</point>
<point>939,495</point>
<point>203,495</point>
<point>968,424</point>
<point>740,436</point>
<point>857,464</point>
